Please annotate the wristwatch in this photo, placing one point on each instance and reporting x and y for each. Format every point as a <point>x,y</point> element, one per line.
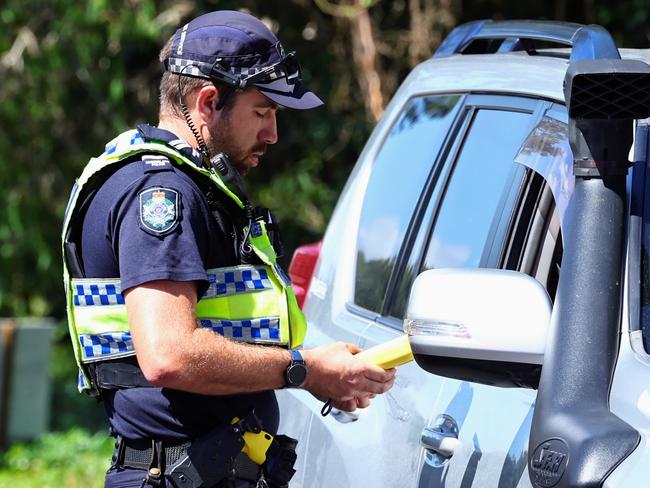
<point>296,372</point>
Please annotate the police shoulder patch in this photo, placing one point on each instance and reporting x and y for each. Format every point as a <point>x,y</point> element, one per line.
<point>159,209</point>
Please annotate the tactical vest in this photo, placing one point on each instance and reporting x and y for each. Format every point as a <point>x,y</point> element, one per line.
<point>249,303</point>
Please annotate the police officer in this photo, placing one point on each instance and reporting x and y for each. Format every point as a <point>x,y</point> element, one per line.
<point>181,319</point>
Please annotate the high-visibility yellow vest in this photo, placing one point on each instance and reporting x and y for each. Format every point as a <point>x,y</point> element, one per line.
<point>250,303</point>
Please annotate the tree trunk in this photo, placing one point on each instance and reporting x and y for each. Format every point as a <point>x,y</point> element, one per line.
<point>430,20</point>
<point>364,53</point>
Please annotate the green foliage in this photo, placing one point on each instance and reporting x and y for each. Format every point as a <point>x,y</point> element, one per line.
<point>67,70</point>
<point>71,459</point>
<point>75,74</point>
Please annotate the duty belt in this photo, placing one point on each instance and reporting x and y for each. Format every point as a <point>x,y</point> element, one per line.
<point>230,451</point>
<point>155,456</point>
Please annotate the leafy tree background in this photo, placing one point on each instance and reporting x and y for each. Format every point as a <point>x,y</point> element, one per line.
<point>73,74</point>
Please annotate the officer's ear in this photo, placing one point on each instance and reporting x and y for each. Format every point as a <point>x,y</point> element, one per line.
<point>207,101</point>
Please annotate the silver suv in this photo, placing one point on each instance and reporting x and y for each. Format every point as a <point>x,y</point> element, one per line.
<point>496,215</point>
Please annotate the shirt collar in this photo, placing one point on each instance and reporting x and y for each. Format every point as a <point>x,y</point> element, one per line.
<point>150,133</point>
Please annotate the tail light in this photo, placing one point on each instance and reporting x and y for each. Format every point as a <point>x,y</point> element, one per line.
<point>301,269</point>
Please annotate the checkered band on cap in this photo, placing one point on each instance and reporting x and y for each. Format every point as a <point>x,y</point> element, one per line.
<point>85,293</point>
<point>103,345</point>
<point>189,67</point>
<point>200,69</point>
<point>237,279</point>
<point>252,330</point>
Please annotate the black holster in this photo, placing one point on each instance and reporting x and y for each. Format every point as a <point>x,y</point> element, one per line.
<point>280,458</point>
<point>209,459</point>
<point>218,456</point>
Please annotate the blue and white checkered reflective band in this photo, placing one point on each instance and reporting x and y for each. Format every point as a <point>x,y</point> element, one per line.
<point>202,70</point>
<point>252,330</point>
<point>237,279</point>
<point>82,382</point>
<point>95,346</point>
<point>124,141</point>
<point>87,293</point>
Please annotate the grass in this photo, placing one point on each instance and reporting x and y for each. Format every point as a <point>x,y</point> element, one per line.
<point>77,452</point>
<point>71,459</point>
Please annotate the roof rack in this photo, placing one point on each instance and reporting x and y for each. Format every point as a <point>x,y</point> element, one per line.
<point>587,42</point>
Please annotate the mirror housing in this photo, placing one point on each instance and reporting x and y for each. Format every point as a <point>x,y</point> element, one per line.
<point>482,325</point>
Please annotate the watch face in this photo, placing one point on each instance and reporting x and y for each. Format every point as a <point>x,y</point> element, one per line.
<point>296,374</point>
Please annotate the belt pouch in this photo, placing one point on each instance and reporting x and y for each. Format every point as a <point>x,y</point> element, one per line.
<point>208,459</point>
<point>280,459</point>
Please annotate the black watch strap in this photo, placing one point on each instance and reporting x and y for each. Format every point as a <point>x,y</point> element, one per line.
<point>296,372</point>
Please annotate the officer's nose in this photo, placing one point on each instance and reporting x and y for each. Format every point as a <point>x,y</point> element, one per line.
<point>269,133</point>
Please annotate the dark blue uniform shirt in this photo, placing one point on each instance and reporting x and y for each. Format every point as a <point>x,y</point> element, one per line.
<point>118,240</point>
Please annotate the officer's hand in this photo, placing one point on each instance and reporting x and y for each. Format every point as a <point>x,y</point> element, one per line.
<point>335,373</point>
<point>352,405</point>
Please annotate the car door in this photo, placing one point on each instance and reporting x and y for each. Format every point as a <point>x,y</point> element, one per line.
<point>342,449</point>
<point>524,234</point>
<point>444,191</point>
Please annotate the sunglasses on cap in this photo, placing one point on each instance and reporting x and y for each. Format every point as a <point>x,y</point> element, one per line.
<point>287,67</point>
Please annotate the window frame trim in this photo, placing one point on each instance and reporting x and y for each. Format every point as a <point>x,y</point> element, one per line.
<point>440,168</point>
<point>640,186</point>
<point>445,161</point>
<point>350,304</point>
<point>472,104</point>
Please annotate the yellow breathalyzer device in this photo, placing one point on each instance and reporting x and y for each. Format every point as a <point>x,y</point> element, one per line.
<point>389,354</point>
<point>386,355</point>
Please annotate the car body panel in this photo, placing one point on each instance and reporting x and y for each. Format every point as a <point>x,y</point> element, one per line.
<point>382,447</point>
<point>630,393</point>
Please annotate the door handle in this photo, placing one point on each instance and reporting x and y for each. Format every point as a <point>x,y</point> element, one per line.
<point>441,440</point>
<point>439,443</point>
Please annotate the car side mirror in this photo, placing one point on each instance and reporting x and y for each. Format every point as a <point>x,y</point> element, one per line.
<point>481,325</point>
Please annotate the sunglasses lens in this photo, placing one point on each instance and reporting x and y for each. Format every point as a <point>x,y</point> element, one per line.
<point>292,67</point>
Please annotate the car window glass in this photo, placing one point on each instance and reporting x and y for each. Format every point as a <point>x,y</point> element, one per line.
<point>398,176</point>
<point>487,156</point>
<point>474,191</point>
<point>546,150</point>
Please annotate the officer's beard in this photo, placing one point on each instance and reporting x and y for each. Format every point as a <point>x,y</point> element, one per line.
<point>221,142</point>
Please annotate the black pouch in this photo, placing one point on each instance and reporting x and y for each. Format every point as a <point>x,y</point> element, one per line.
<point>280,459</point>
<point>208,459</point>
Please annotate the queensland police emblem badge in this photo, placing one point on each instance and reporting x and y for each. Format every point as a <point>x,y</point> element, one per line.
<point>159,210</point>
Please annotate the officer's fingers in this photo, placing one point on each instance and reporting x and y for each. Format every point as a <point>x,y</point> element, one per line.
<point>390,382</point>
<point>363,402</point>
<point>377,374</point>
<point>349,405</point>
<point>366,388</point>
<point>369,387</point>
